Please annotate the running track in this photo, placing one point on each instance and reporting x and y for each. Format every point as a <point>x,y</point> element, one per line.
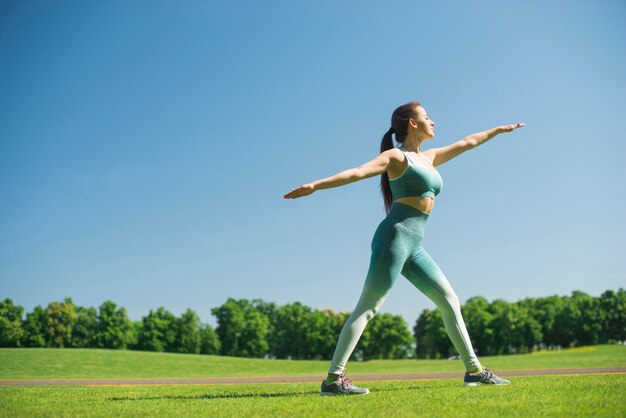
<point>302,379</point>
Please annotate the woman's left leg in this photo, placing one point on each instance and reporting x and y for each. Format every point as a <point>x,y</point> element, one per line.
<point>424,273</point>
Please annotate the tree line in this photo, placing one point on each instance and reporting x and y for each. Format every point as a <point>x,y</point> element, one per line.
<point>63,324</point>
<point>530,324</point>
<point>255,328</point>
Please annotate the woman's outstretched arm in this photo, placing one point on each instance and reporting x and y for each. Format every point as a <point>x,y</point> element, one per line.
<point>443,154</point>
<point>372,168</point>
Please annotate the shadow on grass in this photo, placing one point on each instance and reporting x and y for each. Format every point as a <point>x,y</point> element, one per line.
<point>254,395</point>
<point>215,396</point>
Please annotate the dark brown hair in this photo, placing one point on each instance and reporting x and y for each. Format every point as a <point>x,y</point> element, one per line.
<point>399,125</point>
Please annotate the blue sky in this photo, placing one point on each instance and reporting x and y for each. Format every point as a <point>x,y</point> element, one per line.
<point>145,148</point>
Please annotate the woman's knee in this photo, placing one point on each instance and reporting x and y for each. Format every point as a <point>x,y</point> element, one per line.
<point>445,299</point>
<point>360,315</point>
<point>448,295</point>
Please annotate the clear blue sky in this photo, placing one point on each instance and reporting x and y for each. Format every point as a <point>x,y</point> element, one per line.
<point>145,148</point>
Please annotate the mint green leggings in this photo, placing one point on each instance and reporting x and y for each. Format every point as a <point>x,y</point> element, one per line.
<point>397,249</point>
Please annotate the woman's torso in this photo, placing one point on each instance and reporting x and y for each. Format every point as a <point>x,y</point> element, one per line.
<point>422,203</point>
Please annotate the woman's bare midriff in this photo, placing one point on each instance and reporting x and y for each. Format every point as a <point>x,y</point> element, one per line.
<point>421,203</point>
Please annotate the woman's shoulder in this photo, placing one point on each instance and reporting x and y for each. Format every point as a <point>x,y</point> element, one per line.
<point>395,153</point>
<point>396,156</point>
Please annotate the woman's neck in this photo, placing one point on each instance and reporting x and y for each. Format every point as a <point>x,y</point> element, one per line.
<point>412,147</point>
<point>413,143</point>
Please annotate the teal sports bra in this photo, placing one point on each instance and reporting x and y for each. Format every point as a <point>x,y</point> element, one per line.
<point>417,180</point>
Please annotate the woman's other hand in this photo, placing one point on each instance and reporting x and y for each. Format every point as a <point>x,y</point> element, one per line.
<point>509,128</point>
<point>304,190</point>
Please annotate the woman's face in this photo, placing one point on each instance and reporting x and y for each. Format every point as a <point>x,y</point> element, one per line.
<point>422,123</point>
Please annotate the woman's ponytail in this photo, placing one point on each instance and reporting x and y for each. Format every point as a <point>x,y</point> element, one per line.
<point>386,143</point>
<point>399,126</point>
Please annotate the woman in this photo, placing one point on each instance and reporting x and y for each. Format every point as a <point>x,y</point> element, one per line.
<point>409,184</point>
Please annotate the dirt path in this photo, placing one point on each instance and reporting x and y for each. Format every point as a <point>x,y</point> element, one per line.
<point>300,379</point>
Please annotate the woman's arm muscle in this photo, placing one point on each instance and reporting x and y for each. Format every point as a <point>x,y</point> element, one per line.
<point>371,168</point>
<point>440,155</point>
<point>378,165</point>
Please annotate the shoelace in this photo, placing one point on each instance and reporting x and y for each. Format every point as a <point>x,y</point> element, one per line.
<point>344,381</point>
<point>488,375</point>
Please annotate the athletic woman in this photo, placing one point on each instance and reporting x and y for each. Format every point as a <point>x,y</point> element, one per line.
<point>409,183</point>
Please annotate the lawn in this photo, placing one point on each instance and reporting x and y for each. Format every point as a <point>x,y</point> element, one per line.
<point>47,363</point>
<point>594,395</point>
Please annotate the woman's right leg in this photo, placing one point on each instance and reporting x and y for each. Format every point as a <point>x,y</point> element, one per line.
<point>424,273</point>
<point>390,249</point>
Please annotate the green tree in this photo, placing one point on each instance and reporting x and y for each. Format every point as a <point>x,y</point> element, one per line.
<point>387,337</point>
<point>255,334</point>
<point>230,325</point>
<point>188,333</point>
<point>478,319</point>
<point>613,304</point>
<point>209,341</point>
<point>158,331</point>
<point>564,332</point>
<point>242,329</point>
<point>325,325</point>
<point>34,328</point>
<point>114,328</point>
<point>431,336</point>
<point>588,318</point>
<point>294,330</point>
<point>59,323</point>
<point>322,331</point>
<point>133,343</point>
<point>580,322</point>
<point>503,324</point>
<point>500,324</point>
<point>530,335</point>
<point>546,311</point>
<point>270,311</point>
<point>150,335</point>
<point>515,331</point>
<point>11,331</point>
<point>85,327</point>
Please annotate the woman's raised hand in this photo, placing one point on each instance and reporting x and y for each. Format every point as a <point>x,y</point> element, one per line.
<point>304,190</point>
<point>509,128</point>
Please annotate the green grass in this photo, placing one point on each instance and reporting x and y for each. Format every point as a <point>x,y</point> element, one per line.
<point>595,395</point>
<point>42,363</point>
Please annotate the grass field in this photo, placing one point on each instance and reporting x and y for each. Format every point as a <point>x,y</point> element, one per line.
<point>596,395</point>
<point>42,363</point>
<point>591,395</point>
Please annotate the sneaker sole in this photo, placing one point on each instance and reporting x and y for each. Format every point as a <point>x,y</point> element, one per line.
<point>338,393</point>
<point>472,384</point>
